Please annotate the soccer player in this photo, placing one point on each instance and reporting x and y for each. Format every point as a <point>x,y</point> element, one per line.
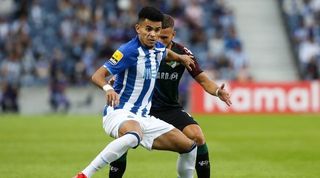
<point>126,118</point>
<point>165,104</point>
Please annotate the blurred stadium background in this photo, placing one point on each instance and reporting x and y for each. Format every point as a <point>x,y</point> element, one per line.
<point>264,47</point>
<point>266,51</point>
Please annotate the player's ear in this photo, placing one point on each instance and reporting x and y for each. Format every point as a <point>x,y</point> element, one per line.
<point>174,33</point>
<point>137,26</point>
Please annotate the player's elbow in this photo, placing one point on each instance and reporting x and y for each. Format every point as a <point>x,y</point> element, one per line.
<point>95,78</point>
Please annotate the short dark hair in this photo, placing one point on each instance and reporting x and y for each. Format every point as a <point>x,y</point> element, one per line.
<point>150,13</point>
<point>167,22</point>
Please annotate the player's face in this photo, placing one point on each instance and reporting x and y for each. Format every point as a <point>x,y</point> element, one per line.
<point>148,32</point>
<point>166,36</point>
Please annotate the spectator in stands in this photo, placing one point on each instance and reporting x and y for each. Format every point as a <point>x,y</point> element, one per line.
<point>9,97</point>
<point>303,20</point>
<point>237,57</point>
<point>58,84</point>
<point>308,49</point>
<point>312,69</point>
<point>58,98</point>
<point>86,32</point>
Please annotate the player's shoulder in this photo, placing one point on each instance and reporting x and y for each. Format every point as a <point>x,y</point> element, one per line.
<point>126,52</point>
<point>181,49</point>
<point>130,47</point>
<point>159,46</point>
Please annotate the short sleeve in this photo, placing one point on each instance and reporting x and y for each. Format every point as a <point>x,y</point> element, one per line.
<point>195,70</point>
<point>120,60</point>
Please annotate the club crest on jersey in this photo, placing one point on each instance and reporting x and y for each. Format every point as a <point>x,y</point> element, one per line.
<point>116,57</point>
<point>173,64</point>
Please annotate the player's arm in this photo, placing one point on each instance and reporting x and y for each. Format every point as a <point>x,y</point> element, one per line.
<point>186,60</point>
<point>212,88</point>
<point>99,79</point>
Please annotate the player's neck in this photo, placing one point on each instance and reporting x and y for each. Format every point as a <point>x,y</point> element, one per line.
<point>144,45</point>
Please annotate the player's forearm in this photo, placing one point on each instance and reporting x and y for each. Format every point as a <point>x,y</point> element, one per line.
<point>211,88</point>
<point>99,77</point>
<point>172,56</point>
<point>208,85</point>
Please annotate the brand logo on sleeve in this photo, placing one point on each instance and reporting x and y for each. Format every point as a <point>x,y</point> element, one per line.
<point>116,57</point>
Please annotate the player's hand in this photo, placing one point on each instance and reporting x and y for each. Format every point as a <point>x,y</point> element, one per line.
<point>224,95</point>
<point>112,98</point>
<point>187,61</point>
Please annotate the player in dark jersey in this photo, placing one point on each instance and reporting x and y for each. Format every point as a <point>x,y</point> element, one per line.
<point>165,104</point>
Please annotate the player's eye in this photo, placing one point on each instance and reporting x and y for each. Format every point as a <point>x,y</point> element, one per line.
<point>157,30</point>
<point>149,29</point>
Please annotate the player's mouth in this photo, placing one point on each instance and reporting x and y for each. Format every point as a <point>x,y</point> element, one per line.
<point>152,41</point>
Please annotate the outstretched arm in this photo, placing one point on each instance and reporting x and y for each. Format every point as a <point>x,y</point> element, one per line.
<point>99,79</point>
<point>212,88</point>
<point>186,60</point>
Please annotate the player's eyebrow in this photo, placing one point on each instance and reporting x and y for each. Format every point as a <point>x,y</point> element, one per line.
<point>153,28</point>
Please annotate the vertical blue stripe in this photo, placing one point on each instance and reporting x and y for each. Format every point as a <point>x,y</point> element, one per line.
<point>105,110</point>
<point>144,111</point>
<point>146,84</point>
<point>131,79</point>
<point>118,85</point>
<point>137,104</point>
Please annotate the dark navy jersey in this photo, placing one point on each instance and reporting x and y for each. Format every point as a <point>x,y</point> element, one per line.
<point>166,94</point>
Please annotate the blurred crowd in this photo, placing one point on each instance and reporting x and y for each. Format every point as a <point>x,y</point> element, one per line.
<point>303,20</point>
<point>60,43</point>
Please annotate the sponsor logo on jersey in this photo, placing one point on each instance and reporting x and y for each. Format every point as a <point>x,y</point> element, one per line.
<point>116,57</point>
<point>167,76</point>
<point>173,64</point>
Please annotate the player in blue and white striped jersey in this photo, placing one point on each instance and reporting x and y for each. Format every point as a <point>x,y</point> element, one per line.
<point>137,68</point>
<point>126,118</point>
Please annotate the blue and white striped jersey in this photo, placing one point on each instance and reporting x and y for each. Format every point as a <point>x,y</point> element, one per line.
<point>135,67</point>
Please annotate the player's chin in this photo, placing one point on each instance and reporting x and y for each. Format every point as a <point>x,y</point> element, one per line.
<point>151,43</point>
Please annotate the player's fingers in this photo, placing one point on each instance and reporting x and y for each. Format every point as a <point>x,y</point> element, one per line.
<point>108,99</point>
<point>229,103</point>
<point>228,100</point>
<point>117,100</point>
<point>189,67</point>
<point>113,100</point>
<point>192,64</point>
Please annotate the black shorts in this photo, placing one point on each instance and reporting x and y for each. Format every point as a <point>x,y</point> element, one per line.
<point>177,117</point>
